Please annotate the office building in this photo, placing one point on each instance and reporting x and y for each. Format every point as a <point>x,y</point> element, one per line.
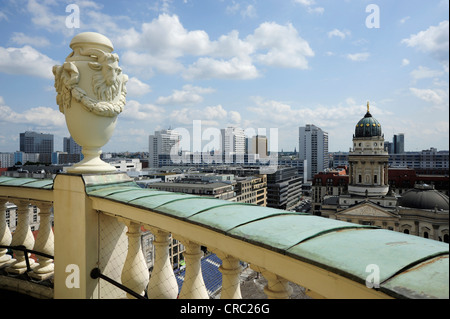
<point>163,144</point>
<point>70,146</point>
<point>398,143</point>
<point>313,148</point>
<point>32,142</point>
<point>284,188</point>
<point>6,160</point>
<point>259,146</point>
<point>233,143</point>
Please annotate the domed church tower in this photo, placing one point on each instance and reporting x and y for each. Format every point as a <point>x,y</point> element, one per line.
<point>368,161</point>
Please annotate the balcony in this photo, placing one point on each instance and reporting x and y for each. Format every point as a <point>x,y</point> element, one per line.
<point>94,250</point>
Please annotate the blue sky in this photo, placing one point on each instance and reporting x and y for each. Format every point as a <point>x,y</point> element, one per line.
<point>257,64</point>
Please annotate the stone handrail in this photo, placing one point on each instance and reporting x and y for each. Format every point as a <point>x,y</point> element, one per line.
<point>330,258</point>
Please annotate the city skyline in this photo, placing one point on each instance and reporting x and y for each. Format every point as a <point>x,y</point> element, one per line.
<point>271,64</point>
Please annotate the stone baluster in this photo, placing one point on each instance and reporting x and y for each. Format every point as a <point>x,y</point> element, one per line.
<point>134,273</point>
<point>162,284</point>
<point>230,269</point>
<point>193,285</point>
<point>5,235</point>
<point>22,237</point>
<point>277,287</point>
<point>44,242</point>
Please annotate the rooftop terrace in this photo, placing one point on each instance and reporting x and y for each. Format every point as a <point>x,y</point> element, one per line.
<point>97,222</point>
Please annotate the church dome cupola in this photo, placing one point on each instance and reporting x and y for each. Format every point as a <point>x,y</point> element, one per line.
<point>368,126</point>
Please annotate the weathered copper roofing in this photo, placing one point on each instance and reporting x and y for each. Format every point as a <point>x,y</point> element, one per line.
<point>368,126</point>
<point>26,182</point>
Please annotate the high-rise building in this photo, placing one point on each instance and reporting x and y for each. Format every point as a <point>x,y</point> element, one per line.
<point>399,143</point>
<point>233,143</point>
<point>233,140</point>
<point>70,146</point>
<point>259,146</point>
<point>313,147</point>
<point>284,188</point>
<point>6,160</point>
<point>32,142</point>
<point>162,144</point>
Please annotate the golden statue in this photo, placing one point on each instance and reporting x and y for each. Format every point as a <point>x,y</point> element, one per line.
<point>367,106</point>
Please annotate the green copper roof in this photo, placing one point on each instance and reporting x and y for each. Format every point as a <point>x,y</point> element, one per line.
<point>26,182</point>
<point>368,127</point>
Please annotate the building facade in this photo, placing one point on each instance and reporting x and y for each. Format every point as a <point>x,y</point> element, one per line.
<point>233,143</point>
<point>6,160</point>
<point>313,148</point>
<point>163,144</point>
<point>368,161</point>
<point>32,142</point>
<point>70,146</point>
<point>370,197</point>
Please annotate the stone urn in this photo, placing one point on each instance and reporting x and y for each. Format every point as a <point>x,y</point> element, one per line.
<point>91,92</point>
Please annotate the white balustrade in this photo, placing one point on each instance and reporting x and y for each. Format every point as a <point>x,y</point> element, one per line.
<point>44,242</point>
<point>162,284</point>
<point>5,234</point>
<point>134,273</point>
<point>230,269</point>
<point>193,285</point>
<point>22,237</point>
<point>277,287</point>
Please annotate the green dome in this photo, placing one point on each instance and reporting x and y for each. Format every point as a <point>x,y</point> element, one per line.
<point>368,126</point>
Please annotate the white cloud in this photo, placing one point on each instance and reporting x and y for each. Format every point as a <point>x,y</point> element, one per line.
<point>145,64</point>
<point>285,48</point>
<point>338,33</point>
<point>235,68</point>
<point>3,16</point>
<point>405,62</point>
<point>249,11</point>
<point>166,36</point>
<point>43,116</point>
<point>232,9</point>
<point>143,112</point>
<point>283,114</point>
<point>318,10</point>
<point>309,6</point>
<point>165,45</point>
<point>403,20</point>
<point>436,96</point>
<point>212,116</point>
<point>229,46</point>
<point>423,72</point>
<point>135,87</point>
<point>26,61</point>
<point>188,95</point>
<point>434,40</point>
<point>44,18</point>
<point>358,56</point>
<point>21,39</point>
<point>235,117</point>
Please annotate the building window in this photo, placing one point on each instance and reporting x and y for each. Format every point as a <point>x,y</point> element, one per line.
<point>406,231</point>
<point>425,235</point>
<point>375,179</point>
<point>359,178</point>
